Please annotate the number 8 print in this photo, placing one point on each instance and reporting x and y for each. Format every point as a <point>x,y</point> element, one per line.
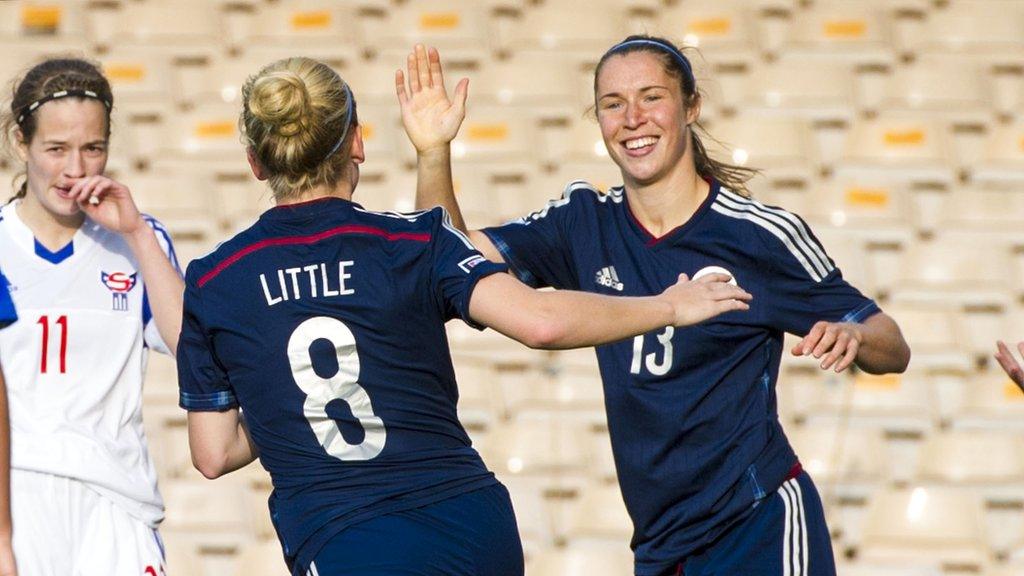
<point>344,386</point>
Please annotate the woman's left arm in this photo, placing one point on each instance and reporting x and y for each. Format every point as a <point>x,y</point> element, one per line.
<point>114,209</point>
<point>876,345</point>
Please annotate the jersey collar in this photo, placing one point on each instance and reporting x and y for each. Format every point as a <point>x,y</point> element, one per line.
<point>24,239</point>
<point>308,209</point>
<point>668,238</point>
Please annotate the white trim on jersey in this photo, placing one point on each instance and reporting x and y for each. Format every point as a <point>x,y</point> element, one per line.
<point>312,570</point>
<point>794,538</point>
<point>408,216</point>
<point>789,223</point>
<point>447,223</point>
<point>805,252</point>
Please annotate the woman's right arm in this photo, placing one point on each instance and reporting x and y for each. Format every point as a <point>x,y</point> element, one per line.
<point>562,319</point>
<point>432,121</point>
<point>219,442</point>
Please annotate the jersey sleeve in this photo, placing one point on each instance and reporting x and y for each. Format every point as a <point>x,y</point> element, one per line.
<point>150,332</point>
<point>457,267</point>
<point>537,246</point>
<point>202,382</point>
<point>8,315</point>
<point>806,286</point>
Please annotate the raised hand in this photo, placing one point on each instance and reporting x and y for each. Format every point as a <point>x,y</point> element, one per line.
<point>107,202</point>
<point>708,296</point>
<point>1009,362</point>
<point>838,342</point>
<point>430,118</point>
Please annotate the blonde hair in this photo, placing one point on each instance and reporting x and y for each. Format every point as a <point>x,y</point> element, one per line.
<point>297,118</point>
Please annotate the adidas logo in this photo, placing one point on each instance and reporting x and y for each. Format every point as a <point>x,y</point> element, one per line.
<point>608,277</point>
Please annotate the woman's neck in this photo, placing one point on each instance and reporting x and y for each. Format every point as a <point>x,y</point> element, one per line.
<point>669,203</point>
<point>342,190</point>
<point>51,230</point>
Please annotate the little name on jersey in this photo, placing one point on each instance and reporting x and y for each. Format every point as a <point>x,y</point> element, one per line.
<point>311,281</point>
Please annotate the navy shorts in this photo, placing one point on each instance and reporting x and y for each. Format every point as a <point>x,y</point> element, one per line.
<point>473,534</point>
<point>785,535</point>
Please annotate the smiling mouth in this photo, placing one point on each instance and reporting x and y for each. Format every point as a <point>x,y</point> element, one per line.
<point>640,143</point>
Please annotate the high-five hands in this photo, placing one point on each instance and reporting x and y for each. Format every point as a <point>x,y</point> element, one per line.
<point>706,297</point>
<point>836,343</point>
<point>430,118</point>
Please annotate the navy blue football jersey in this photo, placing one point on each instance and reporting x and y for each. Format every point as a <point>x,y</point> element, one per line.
<point>7,312</point>
<point>691,411</point>
<point>325,322</point>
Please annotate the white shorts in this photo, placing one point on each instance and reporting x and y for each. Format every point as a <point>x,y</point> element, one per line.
<point>64,528</point>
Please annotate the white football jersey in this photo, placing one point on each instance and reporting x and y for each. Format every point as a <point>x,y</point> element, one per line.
<point>74,360</point>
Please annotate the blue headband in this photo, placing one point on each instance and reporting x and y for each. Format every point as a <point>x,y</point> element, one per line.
<point>664,47</point>
<point>348,121</point>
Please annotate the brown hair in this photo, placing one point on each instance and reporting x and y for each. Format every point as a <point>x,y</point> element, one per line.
<point>677,66</point>
<point>294,114</point>
<point>42,80</point>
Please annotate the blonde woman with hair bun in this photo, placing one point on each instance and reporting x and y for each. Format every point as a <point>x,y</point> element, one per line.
<point>324,323</point>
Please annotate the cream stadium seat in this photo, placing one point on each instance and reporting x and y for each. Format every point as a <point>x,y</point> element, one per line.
<point>547,86</point>
<point>973,457</point>
<point>207,135</point>
<point>990,29</point>
<point>317,28</point>
<point>981,209</point>
<point>460,29</point>
<point>49,25</point>
<point>210,512</point>
<point>808,87</point>
<point>850,456</point>
<point>599,517</point>
<point>860,568</point>
<point>577,562</point>
<point>140,79</point>
<point>902,403</point>
<point>924,86</point>
<point>180,557</point>
<point>536,513</point>
<point>160,386</point>
<point>957,266</point>
<point>240,197</point>
<point>936,336</point>
<point>991,401</point>
<point>582,35</point>
<point>723,31</point>
<point>1003,158</point>
<point>494,135</point>
<point>263,558</point>
<point>552,451</point>
<point>859,204</point>
<point>904,148</point>
<point>480,397</point>
<point>186,29</point>
<point>926,527</point>
<point>855,31</point>
<point>567,394</point>
<point>184,203</point>
<point>781,146</point>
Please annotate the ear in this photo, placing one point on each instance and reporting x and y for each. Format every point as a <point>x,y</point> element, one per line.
<point>21,146</point>
<point>694,112</point>
<point>358,153</point>
<point>257,169</point>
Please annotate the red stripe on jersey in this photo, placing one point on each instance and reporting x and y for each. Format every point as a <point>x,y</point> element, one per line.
<point>311,239</point>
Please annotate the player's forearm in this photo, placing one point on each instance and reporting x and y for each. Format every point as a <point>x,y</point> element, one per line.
<point>882,349</point>
<point>578,319</point>
<point>219,442</point>
<point>434,186</point>
<point>164,285</point>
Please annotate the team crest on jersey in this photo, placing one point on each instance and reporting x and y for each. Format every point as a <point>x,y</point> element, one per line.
<point>119,284</point>
<point>471,262</point>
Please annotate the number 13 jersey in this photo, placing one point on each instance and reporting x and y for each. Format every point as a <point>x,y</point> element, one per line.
<point>74,359</point>
<point>325,324</point>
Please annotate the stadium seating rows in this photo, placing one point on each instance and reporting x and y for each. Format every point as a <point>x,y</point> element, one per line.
<point>893,126</point>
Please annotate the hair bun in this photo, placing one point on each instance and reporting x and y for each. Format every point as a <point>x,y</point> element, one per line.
<point>281,101</point>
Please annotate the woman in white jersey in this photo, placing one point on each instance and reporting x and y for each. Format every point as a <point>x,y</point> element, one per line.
<point>95,283</point>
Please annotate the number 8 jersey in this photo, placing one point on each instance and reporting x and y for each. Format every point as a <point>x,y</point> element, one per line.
<point>325,324</point>
<point>74,360</point>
